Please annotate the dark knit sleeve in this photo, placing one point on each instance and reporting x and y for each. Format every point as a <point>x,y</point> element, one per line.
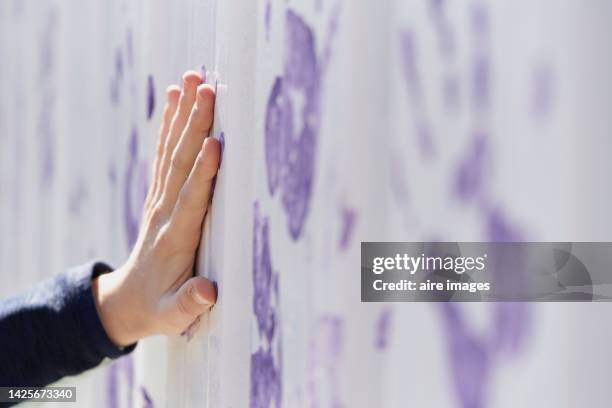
<point>54,330</point>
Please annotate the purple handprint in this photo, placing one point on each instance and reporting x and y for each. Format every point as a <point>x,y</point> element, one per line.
<point>265,362</point>
<point>292,123</point>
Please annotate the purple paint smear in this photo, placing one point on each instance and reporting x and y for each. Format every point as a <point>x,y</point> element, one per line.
<point>512,319</point>
<point>470,361</point>
<point>412,78</point>
<point>120,372</point>
<point>290,149</point>
<point>150,97</point>
<point>383,329</point>
<point>268,19</point>
<point>447,49</point>
<point>147,400</point>
<point>470,173</point>
<point>266,384</point>
<point>479,21</point>
<point>481,82</point>
<point>332,30</point>
<point>116,79</point>
<point>499,229</point>
<point>324,366</point>
<point>135,179</point>
<point>349,218</point>
<point>443,29</point>
<point>481,69</point>
<point>411,74</point>
<point>222,145</point>
<point>511,326</point>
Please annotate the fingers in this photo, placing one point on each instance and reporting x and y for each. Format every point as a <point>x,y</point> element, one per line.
<point>194,196</point>
<point>187,98</point>
<point>190,144</point>
<point>195,297</point>
<point>172,96</point>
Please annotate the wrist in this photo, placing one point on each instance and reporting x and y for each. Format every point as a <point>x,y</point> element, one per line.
<point>115,310</point>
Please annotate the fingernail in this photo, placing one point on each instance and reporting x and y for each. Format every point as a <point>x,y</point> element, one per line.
<point>198,298</point>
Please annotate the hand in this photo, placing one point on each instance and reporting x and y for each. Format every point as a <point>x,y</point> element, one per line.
<point>154,291</point>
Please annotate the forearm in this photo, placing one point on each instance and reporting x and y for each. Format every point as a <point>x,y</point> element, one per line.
<point>53,330</point>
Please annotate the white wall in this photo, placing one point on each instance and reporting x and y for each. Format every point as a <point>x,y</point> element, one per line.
<point>464,120</point>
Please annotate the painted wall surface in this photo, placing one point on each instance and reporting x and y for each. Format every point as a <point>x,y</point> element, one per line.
<point>342,121</point>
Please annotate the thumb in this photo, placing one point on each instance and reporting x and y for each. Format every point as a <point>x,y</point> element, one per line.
<point>195,297</point>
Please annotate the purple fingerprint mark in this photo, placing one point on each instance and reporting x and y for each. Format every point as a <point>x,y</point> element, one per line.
<point>268,19</point>
<point>147,400</point>
<point>266,384</point>
<point>120,372</point>
<point>383,329</point>
<point>470,173</point>
<point>290,151</point>
<point>135,178</point>
<point>150,97</point>
<point>349,218</point>
<point>324,365</point>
